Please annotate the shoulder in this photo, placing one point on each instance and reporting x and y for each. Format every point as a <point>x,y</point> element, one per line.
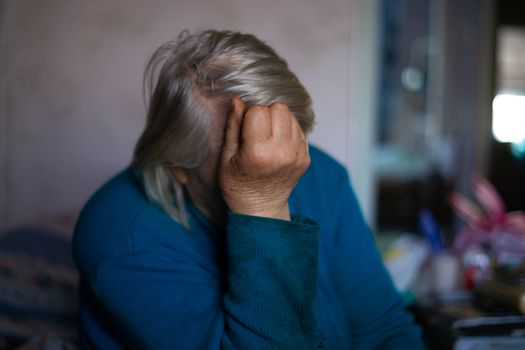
<point>109,223</point>
<point>319,192</point>
<point>325,173</point>
<point>322,161</point>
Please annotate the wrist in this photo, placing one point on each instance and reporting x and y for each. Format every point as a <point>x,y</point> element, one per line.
<point>282,213</point>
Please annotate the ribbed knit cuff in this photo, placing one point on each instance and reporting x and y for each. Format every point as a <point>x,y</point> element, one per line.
<point>272,276</point>
<point>252,237</point>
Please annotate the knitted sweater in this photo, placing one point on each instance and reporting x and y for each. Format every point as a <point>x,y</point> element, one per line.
<point>259,283</point>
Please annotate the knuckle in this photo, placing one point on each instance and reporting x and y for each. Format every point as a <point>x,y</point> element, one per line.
<point>282,110</point>
<point>258,109</point>
<point>307,162</point>
<point>260,156</point>
<point>285,157</point>
<point>280,105</point>
<point>303,159</point>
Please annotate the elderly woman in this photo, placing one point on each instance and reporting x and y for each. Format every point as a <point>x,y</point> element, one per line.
<point>227,230</point>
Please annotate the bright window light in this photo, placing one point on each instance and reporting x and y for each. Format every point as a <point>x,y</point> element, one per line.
<point>508,118</point>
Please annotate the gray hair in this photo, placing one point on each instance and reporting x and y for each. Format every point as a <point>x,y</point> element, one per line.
<point>186,82</point>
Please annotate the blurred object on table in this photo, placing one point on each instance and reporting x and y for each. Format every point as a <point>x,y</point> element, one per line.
<point>493,243</point>
<point>404,259</point>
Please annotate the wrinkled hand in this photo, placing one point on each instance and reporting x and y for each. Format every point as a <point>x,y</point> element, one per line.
<point>265,153</point>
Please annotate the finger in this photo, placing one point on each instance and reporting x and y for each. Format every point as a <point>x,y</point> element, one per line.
<point>233,128</point>
<point>257,125</point>
<point>296,132</point>
<point>282,120</point>
<point>298,137</point>
<point>296,141</point>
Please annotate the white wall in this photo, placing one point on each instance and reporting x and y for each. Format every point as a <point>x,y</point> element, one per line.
<point>73,108</point>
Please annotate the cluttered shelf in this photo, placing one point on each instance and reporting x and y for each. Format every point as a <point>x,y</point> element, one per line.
<point>460,321</point>
<point>469,294</point>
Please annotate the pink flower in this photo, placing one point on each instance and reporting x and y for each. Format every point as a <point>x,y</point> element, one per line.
<point>485,222</point>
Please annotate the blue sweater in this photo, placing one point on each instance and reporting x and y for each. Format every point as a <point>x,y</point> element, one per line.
<point>146,282</point>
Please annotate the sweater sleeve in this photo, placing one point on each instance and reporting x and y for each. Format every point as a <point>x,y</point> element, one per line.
<point>376,316</point>
<point>171,302</point>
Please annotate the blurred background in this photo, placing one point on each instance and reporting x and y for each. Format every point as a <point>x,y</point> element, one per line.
<point>450,104</point>
<point>403,91</point>
<point>413,96</point>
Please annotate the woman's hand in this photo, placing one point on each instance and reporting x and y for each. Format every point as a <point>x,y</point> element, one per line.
<point>265,153</point>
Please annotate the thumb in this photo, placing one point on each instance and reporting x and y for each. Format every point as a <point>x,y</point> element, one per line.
<point>233,129</point>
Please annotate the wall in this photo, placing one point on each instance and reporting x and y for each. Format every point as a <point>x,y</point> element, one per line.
<point>72,109</point>
<point>3,121</point>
